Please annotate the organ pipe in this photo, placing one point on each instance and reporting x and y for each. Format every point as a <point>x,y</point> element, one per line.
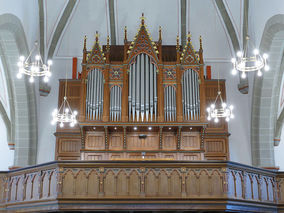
<point>115,103</point>
<point>170,103</point>
<point>142,99</point>
<point>190,95</point>
<point>94,96</point>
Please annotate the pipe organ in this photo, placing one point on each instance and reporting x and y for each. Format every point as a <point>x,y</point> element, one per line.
<point>142,100</point>
<point>95,94</point>
<point>115,103</point>
<point>190,95</point>
<point>170,103</point>
<point>142,95</point>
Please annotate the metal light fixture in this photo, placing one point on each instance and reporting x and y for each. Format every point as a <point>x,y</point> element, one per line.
<point>34,68</point>
<point>246,62</point>
<point>220,109</point>
<point>64,114</point>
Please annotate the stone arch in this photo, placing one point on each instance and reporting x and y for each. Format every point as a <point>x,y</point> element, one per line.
<point>266,94</point>
<point>21,94</point>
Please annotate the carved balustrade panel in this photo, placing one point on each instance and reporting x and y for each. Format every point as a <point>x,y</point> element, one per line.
<point>103,181</point>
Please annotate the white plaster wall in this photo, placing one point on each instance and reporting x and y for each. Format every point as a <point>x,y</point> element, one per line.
<point>235,11</point>
<point>216,42</point>
<point>4,97</point>
<point>239,127</point>
<point>279,153</point>
<point>46,139</point>
<point>259,12</point>
<point>7,155</point>
<point>52,16</point>
<point>27,12</point>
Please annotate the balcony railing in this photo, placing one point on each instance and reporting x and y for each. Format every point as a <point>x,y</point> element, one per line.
<point>140,185</point>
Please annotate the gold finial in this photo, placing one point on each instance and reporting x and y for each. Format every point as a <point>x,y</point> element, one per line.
<point>177,42</point>
<point>188,36</point>
<point>160,33</point>
<point>125,33</point>
<point>142,19</point>
<point>85,40</point>
<point>97,36</point>
<point>200,40</point>
<point>107,43</point>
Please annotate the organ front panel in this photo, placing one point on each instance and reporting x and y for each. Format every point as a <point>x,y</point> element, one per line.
<point>143,100</point>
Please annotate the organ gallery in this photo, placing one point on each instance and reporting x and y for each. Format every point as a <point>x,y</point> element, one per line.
<point>142,100</point>
<point>141,138</point>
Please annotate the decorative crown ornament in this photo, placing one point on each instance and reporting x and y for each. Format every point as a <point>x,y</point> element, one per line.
<point>222,112</point>
<point>34,68</point>
<point>249,63</point>
<point>64,114</point>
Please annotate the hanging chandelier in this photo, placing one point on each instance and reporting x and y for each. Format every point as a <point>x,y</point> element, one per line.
<point>34,68</point>
<point>220,109</point>
<point>246,62</point>
<point>64,114</point>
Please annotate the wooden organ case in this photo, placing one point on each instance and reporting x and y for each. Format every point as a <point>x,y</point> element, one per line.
<point>142,101</point>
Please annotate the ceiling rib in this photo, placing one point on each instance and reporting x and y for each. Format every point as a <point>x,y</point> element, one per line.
<point>183,22</point>
<point>112,22</point>
<point>59,28</point>
<point>243,85</point>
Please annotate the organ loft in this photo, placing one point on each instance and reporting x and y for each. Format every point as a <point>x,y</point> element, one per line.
<point>143,141</point>
<point>142,101</point>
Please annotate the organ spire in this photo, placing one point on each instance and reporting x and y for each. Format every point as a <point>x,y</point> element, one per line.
<point>189,55</point>
<point>143,43</point>
<point>96,56</point>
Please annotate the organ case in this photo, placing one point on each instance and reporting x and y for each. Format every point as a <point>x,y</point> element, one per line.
<point>144,88</point>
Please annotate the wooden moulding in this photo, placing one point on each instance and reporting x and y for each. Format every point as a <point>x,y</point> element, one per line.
<point>140,185</point>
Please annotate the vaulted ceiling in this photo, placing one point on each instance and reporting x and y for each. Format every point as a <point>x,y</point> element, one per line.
<point>109,17</point>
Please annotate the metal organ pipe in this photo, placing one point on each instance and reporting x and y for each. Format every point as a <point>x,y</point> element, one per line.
<point>130,93</point>
<point>142,99</point>
<point>142,86</point>
<point>94,96</point>
<point>191,95</point>
<point>170,103</point>
<point>115,103</point>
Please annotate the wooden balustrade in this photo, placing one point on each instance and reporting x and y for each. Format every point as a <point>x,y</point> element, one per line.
<point>137,185</point>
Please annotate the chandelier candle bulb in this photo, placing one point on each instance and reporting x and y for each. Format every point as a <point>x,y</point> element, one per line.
<point>32,79</point>
<point>239,54</point>
<point>265,56</point>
